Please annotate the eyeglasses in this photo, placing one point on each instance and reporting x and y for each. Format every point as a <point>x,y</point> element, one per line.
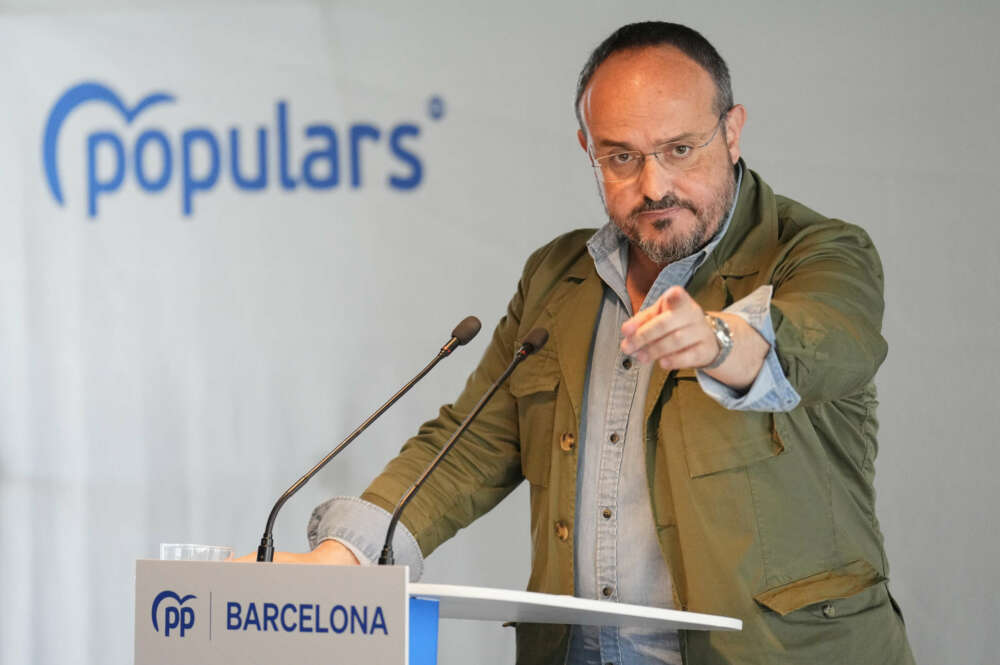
<point>627,165</point>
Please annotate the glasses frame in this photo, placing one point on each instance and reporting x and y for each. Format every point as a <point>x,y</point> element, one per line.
<point>598,162</point>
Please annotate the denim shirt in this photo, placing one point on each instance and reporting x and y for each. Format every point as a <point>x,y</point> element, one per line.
<point>617,554</point>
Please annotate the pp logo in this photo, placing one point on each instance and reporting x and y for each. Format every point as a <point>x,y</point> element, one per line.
<point>175,618</point>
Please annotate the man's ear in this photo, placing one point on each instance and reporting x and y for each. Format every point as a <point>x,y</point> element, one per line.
<point>582,138</point>
<point>734,128</point>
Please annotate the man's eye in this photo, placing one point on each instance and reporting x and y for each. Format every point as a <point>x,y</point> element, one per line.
<point>680,151</point>
<point>621,158</point>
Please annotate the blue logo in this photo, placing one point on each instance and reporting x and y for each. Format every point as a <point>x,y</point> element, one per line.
<point>205,156</point>
<point>177,618</point>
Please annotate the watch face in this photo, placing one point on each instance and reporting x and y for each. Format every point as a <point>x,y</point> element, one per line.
<point>721,329</point>
<point>723,337</point>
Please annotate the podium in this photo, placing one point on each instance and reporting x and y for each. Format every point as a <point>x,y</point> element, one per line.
<point>207,613</point>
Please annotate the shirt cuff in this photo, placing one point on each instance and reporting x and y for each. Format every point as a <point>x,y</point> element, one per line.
<point>358,554</point>
<point>361,526</point>
<point>770,390</point>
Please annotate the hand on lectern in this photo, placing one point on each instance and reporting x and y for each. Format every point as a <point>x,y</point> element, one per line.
<point>328,552</point>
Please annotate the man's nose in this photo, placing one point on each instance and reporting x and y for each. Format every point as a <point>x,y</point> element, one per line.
<point>654,180</point>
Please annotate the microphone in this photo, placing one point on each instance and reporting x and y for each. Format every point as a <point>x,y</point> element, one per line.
<point>533,341</point>
<point>461,335</point>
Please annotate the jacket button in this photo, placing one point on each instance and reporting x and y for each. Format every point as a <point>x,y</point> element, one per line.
<point>829,611</point>
<point>606,513</point>
<point>562,531</point>
<point>627,363</point>
<point>567,441</point>
<point>607,591</point>
<point>614,437</point>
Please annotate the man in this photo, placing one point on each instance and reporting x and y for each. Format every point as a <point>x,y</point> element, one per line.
<point>699,431</point>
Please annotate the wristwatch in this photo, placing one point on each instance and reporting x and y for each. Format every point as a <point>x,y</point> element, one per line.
<point>724,339</point>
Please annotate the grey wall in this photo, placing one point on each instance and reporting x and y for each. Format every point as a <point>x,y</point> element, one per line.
<point>881,114</point>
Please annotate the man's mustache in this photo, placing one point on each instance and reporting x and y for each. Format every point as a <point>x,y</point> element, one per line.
<point>668,201</point>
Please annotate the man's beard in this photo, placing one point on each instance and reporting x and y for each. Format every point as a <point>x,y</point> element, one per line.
<point>708,220</point>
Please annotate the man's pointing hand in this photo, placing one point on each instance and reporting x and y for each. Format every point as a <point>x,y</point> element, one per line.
<point>675,333</point>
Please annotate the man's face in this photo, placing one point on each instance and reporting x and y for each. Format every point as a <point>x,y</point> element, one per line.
<point>640,100</point>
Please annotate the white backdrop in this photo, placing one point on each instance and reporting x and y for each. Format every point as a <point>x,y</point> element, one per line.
<point>163,376</point>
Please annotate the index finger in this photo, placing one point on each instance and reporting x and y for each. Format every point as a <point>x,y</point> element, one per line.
<point>630,327</point>
<point>667,302</point>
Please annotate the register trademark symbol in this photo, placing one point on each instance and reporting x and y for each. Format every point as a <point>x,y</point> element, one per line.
<point>435,108</point>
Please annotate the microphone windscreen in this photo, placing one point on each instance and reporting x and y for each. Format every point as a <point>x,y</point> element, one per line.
<point>466,330</point>
<point>535,340</point>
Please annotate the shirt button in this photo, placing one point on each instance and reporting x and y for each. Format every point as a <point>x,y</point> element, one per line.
<point>614,437</point>
<point>567,441</point>
<point>606,513</point>
<point>829,611</point>
<point>607,591</point>
<point>562,531</point>
<point>627,363</point>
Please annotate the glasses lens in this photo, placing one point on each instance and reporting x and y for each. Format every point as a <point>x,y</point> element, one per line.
<point>620,166</point>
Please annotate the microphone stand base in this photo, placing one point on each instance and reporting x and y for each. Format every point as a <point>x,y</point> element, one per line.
<point>265,552</point>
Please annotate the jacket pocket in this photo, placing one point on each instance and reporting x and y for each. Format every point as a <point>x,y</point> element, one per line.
<point>717,439</point>
<point>534,386</point>
<point>824,590</point>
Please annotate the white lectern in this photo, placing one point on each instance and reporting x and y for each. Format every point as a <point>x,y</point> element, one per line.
<point>204,613</point>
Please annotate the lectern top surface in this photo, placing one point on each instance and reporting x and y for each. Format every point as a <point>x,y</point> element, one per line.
<point>484,604</point>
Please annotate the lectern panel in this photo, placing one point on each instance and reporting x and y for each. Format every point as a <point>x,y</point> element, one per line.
<point>203,613</point>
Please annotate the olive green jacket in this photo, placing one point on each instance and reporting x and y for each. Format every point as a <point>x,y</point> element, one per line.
<point>767,517</point>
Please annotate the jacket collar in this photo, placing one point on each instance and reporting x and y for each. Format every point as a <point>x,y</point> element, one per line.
<point>754,224</point>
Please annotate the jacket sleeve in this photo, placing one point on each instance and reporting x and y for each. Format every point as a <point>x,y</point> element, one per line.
<point>827,311</point>
<point>485,464</point>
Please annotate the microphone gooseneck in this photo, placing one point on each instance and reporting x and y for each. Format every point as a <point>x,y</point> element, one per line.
<point>461,335</point>
<point>532,342</point>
